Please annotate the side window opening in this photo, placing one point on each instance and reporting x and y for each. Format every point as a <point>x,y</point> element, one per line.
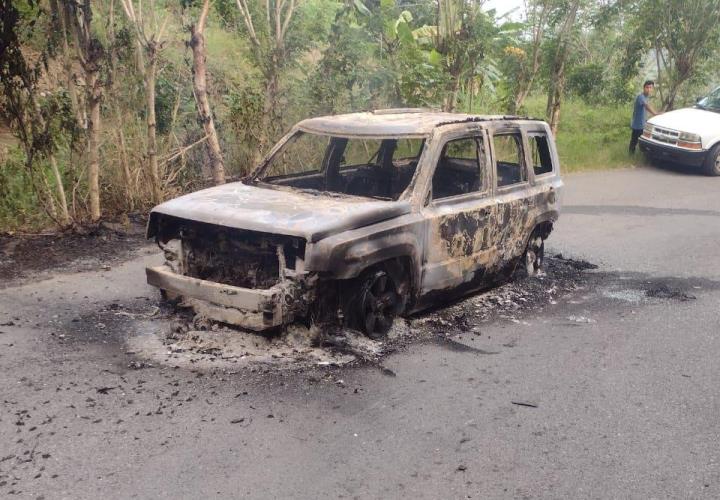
<point>508,159</point>
<point>541,159</point>
<point>458,170</point>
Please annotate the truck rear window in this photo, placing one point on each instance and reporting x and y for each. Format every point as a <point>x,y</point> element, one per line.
<point>541,159</point>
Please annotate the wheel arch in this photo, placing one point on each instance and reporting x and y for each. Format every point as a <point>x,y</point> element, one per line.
<point>352,258</point>
<point>544,225</point>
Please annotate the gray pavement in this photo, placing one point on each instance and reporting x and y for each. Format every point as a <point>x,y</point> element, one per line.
<point>621,403</point>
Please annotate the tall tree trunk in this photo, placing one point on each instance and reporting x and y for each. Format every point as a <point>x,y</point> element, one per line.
<point>539,16</point>
<point>77,107</point>
<point>151,125</point>
<point>93,144</point>
<point>557,89</point>
<point>91,55</point>
<point>526,86</point>
<point>112,66</point>
<point>197,44</point>
<point>450,100</point>
<point>557,75</point>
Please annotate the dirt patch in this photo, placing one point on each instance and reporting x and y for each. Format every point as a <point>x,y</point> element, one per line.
<point>22,256</point>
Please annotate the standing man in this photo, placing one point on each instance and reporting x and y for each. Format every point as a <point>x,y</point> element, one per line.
<point>639,117</point>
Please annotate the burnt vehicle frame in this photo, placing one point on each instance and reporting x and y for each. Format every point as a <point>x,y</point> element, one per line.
<point>317,253</point>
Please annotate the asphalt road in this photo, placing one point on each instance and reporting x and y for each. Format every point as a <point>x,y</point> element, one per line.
<point>607,393</point>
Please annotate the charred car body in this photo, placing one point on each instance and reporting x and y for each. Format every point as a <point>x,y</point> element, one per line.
<point>364,216</point>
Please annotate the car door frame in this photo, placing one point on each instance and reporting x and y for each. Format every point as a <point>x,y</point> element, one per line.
<point>545,190</point>
<point>444,265</point>
<point>512,201</point>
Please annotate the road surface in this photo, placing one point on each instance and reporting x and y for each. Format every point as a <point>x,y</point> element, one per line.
<point>610,391</point>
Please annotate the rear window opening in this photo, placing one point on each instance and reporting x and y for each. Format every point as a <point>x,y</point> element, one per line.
<point>368,167</point>
<point>540,150</point>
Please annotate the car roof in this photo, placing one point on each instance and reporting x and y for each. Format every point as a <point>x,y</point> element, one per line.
<point>392,122</point>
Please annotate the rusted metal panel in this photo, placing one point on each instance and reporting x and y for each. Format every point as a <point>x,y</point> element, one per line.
<point>403,123</point>
<point>278,210</point>
<point>232,296</point>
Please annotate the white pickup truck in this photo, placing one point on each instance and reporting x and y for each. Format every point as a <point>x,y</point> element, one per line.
<point>690,136</point>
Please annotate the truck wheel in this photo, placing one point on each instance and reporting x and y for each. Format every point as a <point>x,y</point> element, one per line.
<point>712,162</point>
<point>534,254</point>
<point>377,303</point>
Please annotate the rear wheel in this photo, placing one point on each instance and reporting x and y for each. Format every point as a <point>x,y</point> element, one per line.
<point>534,254</point>
<point>377,303</point>
<point>712,162</point>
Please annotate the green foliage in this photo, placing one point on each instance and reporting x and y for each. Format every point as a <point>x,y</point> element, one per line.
<point>683,35</point>
<point>245,107</point>
<point>588,81</point>
<point>18,204</point>
<point>337,56</point>
<point>165,101</point>
<point>591,135</point>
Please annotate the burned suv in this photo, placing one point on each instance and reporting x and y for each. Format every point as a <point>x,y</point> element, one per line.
<point>363,217</point>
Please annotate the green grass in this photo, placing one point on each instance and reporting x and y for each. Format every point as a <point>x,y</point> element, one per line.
<point>590,136</point>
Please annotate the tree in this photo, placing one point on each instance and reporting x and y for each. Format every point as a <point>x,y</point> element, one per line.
<point>528,61</point>
<point>340,80</point>
<point>91,55</point>
<point>556,85</point>
<point>60,20</point>
<point>683,34</point>
<point>150,40</point>
<point>197,44</point>
<point>270,51</point>
<point>464,37</point>
<point>19,81</point>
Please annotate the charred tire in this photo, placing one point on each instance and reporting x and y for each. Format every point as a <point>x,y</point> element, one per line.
<point>712,161</point>
<point>377,303</point>
<point>534,254</point>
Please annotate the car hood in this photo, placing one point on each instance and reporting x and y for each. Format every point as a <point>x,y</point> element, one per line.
<point>691,120</point>
<point>309,215</point>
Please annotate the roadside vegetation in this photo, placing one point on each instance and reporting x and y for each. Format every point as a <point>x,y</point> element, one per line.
<point>110,106</point>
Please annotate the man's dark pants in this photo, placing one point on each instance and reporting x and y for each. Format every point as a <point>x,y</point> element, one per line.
<point>634,139</point>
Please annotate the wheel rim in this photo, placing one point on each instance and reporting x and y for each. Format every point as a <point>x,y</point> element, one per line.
<point>534,255</point>
<point>379,305</point>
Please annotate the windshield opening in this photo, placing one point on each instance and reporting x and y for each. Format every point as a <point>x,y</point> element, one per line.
<point>369,167</point>
<point>712,101</point>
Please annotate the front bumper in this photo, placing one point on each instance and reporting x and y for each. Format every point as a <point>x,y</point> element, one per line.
<point>254,309</point>
<point>683,156</point>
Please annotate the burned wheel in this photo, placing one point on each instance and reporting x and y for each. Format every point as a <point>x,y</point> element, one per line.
<point>534,254</point>
<point>378,303</point>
